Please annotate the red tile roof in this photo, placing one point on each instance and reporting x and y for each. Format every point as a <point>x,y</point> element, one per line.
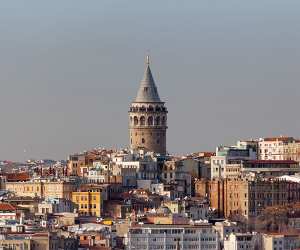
<point>12,177</point>
<point>279,138</point>
<point>272,162</point>
<point>7,207</point>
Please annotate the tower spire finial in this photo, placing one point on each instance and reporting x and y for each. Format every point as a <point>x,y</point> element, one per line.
<point>148,59</point>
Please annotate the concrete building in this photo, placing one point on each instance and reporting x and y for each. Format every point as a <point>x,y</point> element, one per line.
<point>29,241</point>
<point>56,205</point>
<point>8,212</point>
<point>148,117</point>
<point>279,148</point>
<point>151,236</point>
<point>246,198</point>
<point>136,167</point>
<point>89,203</point>
<point>269,168</point>
<point>280,241</point>
<point>231,155</point>
<point>174,172</point>
<point>225,228</point>
<point>241,241</point>
<point>228,197</point>
<point>42,188</point>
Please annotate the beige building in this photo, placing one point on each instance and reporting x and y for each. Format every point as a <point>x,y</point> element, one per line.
<point>240,241</point>
<point>246,198</point>
<point>148,117</point>
<point>280,241</point>
<point>16,244</point>
<point>29,241</point>
<point>42,189</point>
<point>229,197</point>
<point>279,148</point>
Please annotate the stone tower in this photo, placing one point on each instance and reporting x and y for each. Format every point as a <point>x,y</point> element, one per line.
<point>148,117</point>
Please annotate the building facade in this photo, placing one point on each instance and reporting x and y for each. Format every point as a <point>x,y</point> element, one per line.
<point>42,189</point>
<point>279,148</point>
<point>148,117</point>
<point>89,203</point>
<point>151,236</point>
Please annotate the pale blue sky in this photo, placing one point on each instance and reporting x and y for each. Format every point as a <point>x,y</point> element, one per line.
<point>69,70</point>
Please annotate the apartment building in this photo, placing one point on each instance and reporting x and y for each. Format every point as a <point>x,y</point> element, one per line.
<point>151,236</point>
<point>89,202</point>
<point>246,198</point>
<point>279,148</point>
<point>280,241</point>
<point>270,168</point>
<point>241,241</point>
<point>42,188</point>
<point>227,159</point>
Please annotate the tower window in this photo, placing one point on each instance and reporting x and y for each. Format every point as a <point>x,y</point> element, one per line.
<point>157,120</point>
<point>142,121</point>
<point>143,140</point>
<point>150,120</point>
<point>163,120</point>
<point>135,121</point>
<point>157,141</point>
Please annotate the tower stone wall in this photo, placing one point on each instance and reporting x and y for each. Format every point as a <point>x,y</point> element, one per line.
<point>148,117</point>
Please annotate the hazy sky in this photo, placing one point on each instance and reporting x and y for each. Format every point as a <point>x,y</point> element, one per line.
<point>69,70</point>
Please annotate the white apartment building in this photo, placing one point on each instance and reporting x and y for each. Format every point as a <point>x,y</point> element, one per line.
<point>229,157</point>
<point>96,175</point>
<point>241,241</point>
<point>279,148</point>
<point>151,236</point>
<point>280,241</point>
<point>225,228</point>
<point>133,167</point>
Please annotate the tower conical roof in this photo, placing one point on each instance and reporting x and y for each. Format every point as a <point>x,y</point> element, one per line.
<point>147,91</point>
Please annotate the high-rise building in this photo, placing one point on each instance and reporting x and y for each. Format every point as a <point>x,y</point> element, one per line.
<point>148,117</point>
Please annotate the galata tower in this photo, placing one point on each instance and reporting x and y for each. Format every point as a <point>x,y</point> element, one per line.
<point>148,117</point>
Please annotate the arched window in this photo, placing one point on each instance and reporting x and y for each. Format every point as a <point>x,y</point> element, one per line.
<point>163,120</point>
<point>150,108</point>
<point>157,120</point>
<point>142,108</point>
<point>157,108</point>
<point>135,120</point>
<point>143,140</point>
<point>150,120</point>
<point>142,121</point>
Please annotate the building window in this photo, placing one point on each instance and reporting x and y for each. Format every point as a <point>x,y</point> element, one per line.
<point>143,140</point>
<point>163,121</point>
<point>157,121</point>
<point>135,120</point>
<point>142,121</point>
<point>150,120</point>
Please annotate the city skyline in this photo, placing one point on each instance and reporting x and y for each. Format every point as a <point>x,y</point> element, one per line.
<point>226,71</point>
